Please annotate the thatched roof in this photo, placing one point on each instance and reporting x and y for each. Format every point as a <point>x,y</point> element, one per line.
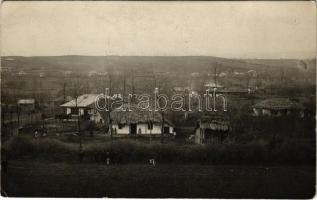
<point>214,123</point>
<point>278,104</point>
<point>126,117</point>
<point>137,116</point>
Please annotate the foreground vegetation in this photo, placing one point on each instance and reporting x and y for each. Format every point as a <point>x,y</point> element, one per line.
<point>286,151</point>
<point>45,179</point>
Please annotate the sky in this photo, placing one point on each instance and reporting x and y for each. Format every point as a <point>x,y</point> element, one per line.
<point>223,29</point>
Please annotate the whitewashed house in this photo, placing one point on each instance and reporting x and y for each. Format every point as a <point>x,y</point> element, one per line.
<point>278,107</point>
<point>140,123</point>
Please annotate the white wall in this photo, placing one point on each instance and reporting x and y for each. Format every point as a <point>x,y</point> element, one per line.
<point>124,130</point>
<point>256,111</point>
<point>81,111</point>
<point>95,116</point>
<point>266,112</point>
<point>199,136</point>
<point>144,129</point>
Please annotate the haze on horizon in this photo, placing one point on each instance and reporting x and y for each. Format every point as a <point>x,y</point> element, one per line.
<point>222,29</point>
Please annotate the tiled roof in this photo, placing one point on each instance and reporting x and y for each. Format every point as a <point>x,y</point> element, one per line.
<point>82,101</point>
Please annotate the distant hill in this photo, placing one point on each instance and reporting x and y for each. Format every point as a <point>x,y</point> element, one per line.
<point>84,64</point>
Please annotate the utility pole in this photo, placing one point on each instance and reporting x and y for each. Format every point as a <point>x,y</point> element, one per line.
<point>3,111</point>
<point>132,80</point>
<point>282,75</point>
<point>215,73</point>
<point>161,112</point>
<point>162,131</point>
<point>109,107</point>
<point>64,92</point>
<point>78,126</point>
<point>11,120</point>
<point>151,127</point>
<point>123,95</point>
<point>18,114</point>
<point>248,80</point>
<point>76,94</point>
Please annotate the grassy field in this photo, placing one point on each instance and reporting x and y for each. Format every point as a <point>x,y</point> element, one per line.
<point>46,179</point>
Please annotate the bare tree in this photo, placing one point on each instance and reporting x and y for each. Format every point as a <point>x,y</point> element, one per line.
<point>75,91</point>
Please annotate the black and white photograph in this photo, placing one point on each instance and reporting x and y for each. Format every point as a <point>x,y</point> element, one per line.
<point>158,99</point>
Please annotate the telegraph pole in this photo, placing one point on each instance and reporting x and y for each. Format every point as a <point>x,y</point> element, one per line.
<point>123,95</point>
<point>78,125</point>
<point>64,92</point>
<point>18,114</point>
<point>162,131</point>
<point>215,73</point>
<point>109,107</point>
<point>132,80</point>
<point>76,94</point>
<point>161,112</point>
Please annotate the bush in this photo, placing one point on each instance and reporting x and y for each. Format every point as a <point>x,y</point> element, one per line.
<point>43,148</point>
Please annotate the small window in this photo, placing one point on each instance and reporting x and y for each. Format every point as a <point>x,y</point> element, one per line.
<point>120,126</point>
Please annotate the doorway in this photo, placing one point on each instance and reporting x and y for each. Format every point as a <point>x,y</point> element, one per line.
<point>133,129</point>
<point>166,130</point>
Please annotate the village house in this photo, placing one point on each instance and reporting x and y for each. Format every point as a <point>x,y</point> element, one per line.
<point>140,123</point>
<point>181,88</point>
<point>211,130</point>
<point>26,104</point>
<point>21,73</point>
<point>278,107</point>
<point>84,107</point>
<point>212,84</point>
<point>236,91</point>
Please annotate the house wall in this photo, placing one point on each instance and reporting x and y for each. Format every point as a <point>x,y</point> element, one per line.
<point>68,111</point>
<point>208,136</point>
<point>80,111</point>
<point>256,112</point>
<point>266,112</point>
<point>93,114</point>
<point>199,136</point>
<point>26,107</point>
<point>157,129</point>
<point>124,130</point>
<point>143,127</point>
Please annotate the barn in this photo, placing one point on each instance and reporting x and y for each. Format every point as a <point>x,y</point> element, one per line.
<point>212,130</point>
